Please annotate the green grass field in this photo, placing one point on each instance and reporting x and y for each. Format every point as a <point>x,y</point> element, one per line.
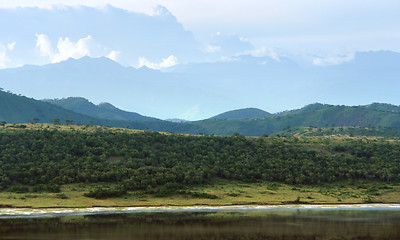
<point>228,193</point>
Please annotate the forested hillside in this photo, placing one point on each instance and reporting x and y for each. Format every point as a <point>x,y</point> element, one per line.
<point>314,115</point>
<point>245,113</point>
<point>248,122</point>
<point>156,162</point>
<point>20,109</point>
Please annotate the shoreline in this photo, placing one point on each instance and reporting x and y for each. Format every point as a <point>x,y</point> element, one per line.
<point>63,211</point>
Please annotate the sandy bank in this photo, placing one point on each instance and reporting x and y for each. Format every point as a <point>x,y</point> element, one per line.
<point>53,212</point>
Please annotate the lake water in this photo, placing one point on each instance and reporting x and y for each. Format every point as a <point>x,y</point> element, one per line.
<point>284,223</point>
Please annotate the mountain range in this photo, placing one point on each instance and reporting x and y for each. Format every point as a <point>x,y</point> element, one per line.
<point>201,90</point>
<point>249,121</point>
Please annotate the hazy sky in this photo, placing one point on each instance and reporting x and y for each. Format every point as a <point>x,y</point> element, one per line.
<point>324,27</point>
<point>244,53</point>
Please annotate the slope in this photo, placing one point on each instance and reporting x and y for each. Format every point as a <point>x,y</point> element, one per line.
<point>19,109</point>
<point>245,113</point>
<point>102,110</point>
<point>314,115</point>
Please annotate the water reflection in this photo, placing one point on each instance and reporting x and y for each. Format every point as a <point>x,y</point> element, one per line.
<point>279,224</point>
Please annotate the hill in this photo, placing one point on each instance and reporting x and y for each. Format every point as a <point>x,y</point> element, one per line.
<point>102,110</point>
<point>245,113</point>
<point>314,115</point>
<point>20,109</point>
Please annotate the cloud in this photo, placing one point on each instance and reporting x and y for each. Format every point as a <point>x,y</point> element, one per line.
<point>44,45</point>
<point>65,48</point>
<point>4,49</point>
<point>212,49</point>
<point>3,57</point>
<point>262,52</point>
<point>333,60</point>
<point>165,63</point>
<point>229,44</point>
<point>114,55</point>
<point>11,46</point>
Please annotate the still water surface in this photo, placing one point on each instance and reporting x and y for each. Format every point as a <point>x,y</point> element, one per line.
<point>261,224</point>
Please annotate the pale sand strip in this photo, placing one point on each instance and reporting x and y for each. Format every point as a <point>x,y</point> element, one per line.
<point>53,212</point>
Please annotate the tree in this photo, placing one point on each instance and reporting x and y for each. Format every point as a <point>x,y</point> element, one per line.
<point>3,123</point>
<point>36,120</point>
<point>57,121</point>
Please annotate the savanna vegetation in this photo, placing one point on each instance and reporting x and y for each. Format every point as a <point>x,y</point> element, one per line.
<point>45,158</point>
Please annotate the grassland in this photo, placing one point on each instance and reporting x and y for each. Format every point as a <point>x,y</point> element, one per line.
<point>63,127</point>
<point>227,192</point>
<point>223,191</point>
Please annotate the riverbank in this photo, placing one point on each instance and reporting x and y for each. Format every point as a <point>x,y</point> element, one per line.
<point>54,212</point>
<point>227,193</point>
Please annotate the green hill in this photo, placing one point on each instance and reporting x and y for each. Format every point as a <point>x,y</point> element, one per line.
<point>20,109</point>
<point>245,113</point>
<point>249,122</point>
<point>314,115</point>
<point>103,110</point>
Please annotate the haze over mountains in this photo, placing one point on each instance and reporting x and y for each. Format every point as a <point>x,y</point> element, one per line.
<point>151,64</point>
<point>201,90</point>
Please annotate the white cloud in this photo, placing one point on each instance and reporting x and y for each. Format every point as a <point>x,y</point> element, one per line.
<point>44,45</point>
<point>229,44</point>
<point>114,55</point>
<point>4,58</point>
<point>262,52</point>
<point>65,48</point>
<point>212,49</point>
<point>11,46</point>
<point>228,59</point>
<point>333,60</point>
<point>165,63</point>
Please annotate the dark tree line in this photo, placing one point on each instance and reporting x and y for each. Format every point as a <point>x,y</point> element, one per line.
<point>149,160</point>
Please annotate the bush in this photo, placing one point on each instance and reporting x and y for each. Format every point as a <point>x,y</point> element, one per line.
<point>18,189</point>
<point>52,188</point>
<point>103,193</point>
<point>200,194</point>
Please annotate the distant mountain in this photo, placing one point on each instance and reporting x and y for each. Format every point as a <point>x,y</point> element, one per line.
<point>144,90</point>
<point>103,110</point>
<point>205,89</point>
<point>245,113</point>
<point>176,120</point>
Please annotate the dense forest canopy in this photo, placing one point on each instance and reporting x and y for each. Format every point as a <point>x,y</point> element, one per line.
<point>151,160</point>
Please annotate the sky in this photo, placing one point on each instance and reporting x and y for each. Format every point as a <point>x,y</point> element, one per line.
<point>249,35</point>
<point>325,27</point>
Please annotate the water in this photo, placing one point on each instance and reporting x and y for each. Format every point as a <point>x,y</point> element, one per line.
<point>277,224</point>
